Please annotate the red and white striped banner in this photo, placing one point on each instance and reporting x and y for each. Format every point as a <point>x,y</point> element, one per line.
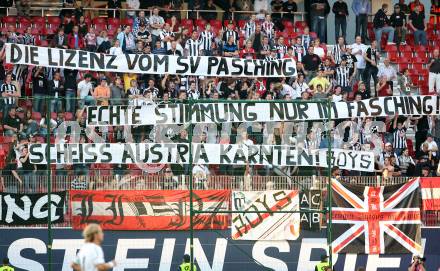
<point>149,209</point>
<point>430,193</point>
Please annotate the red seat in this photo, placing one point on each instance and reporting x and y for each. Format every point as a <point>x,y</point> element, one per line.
<point>216,23</point>
<point>201,23</point>
<point>54,20</point>
<point>6,139</point>
<point>9,20</point>
<point>422,57</point>
<point>288,23</point>
<point>36,116</point>
<point>186,22</point>
<point>415,79</point>
<point>38,20</point>
<point>403,66</point>
<point>100,27</point>
<point>241,23</point>
<point>420,48</point>
<point>405,48</point>
<point>36,31</point>
<point>393,56</point>
<point>99,20</point>
<point>403,59</point>
<point>300,25</point>
<point>417,67</point>
<point>127,21</point>
<point>114,21</point>
<point>406,54</point>
<point>226,22</point>
<point>424,90</point>
<point>390,48</point>
<point>420,60</point>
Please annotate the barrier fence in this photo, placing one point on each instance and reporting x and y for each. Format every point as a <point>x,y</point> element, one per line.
<point>157,181</point>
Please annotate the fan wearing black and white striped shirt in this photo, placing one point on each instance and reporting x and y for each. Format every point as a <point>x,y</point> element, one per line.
<point>230,32</point>
<point>268,27</point>
<point>192,46</point>
<point>250,26</point>
<point>299,50</point>
<point>207,39</point>
<point>166,35</point>
<point>272,56</point>
<point>281,48</point>
<point>193,92</point>
<point>338,51</point>
<point>399,134</point>
<point>306,39</point>
<point>343,76</point>
<point>10,93</point>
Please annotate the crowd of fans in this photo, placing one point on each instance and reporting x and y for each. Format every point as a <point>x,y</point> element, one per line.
<point>342,72</point>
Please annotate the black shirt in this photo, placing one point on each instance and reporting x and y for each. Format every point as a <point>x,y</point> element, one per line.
<point>319,12</point>
<point>27,166</point>
<point>418,20</point>
<point>398,19</point>
<point>289,7</point>
<point>340,7</point>
<point>70,79</point>
<point>380,19</point>
<point>39,83</point>
<point>435,67</point>
<point>371,54</point>
<point>12,122</point>
<point>311,62</point>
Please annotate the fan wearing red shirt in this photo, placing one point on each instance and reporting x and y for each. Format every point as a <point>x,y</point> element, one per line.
<point>260,86</point>
<point>248,52</point>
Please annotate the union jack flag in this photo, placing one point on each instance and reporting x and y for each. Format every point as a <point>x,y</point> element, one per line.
<point>376,220</point>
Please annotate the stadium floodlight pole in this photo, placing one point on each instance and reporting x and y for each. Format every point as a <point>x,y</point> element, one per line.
<point>329,183</point>
<point>49,184</point>
<point>191,207</point>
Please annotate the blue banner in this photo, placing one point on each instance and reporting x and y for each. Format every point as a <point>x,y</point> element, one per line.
<point>214,250</point>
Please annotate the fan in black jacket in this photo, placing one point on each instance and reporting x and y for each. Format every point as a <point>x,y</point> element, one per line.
<point>382,24</point>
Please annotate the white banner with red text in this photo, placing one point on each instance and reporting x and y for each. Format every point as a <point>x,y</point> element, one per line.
<point>258,220</point>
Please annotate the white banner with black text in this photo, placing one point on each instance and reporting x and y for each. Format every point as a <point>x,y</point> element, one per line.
<point>254,111</point>
<point>148,63</point>
<point>216,154</point>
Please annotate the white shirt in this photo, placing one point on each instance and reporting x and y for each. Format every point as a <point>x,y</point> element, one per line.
<point>319,51</point>
<point>261,5</point>
<point>389,72</point>
<point>132,4</point>
<point>293,92</point>
<point>116,51</point>
<point>89,256</point>
<point>431,146</point>
<point>155,20</point>
<point>336,98</point>
<point>84,88</point>
<point>301,87</point>
<point>360,63</point>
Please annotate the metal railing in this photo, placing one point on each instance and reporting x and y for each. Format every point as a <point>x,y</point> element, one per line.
<point>45,11</point>
<point>95,181</point>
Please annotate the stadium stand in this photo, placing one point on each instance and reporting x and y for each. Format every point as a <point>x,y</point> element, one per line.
<point>408,146</point>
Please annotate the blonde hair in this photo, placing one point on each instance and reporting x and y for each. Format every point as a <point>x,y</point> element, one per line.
<point>90,231</point>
